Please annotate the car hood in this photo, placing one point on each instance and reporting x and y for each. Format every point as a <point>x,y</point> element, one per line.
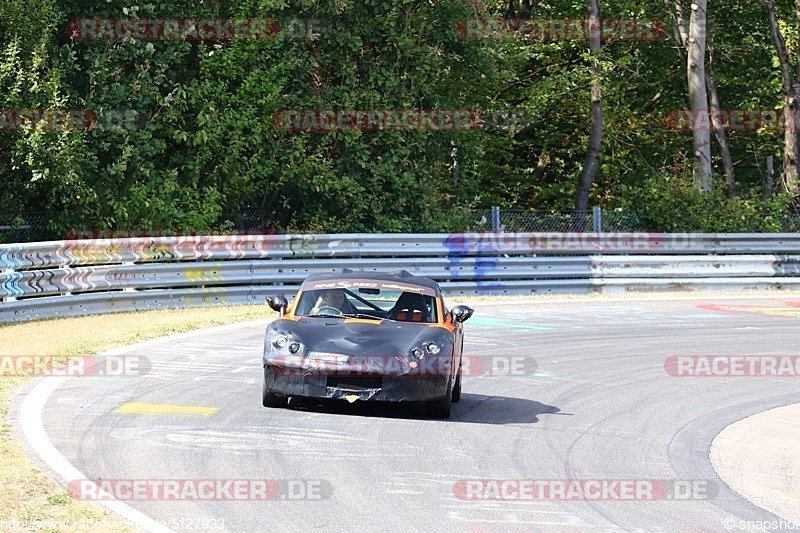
<point>366,338</point>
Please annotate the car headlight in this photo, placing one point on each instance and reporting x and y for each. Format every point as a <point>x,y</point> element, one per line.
<point>416,352</point>
<point>433,348</point>
<point>283,343</point>
<point>280,341</point>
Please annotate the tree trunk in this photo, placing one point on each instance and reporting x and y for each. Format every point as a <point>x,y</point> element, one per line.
<point>769,179</point>
<point>791,98</point>
<point>699,96</point>
<point>791,150</point>
<point>681,31</point>
<point>681,24</point>
<point>592,160</point>
<point>722,138</point>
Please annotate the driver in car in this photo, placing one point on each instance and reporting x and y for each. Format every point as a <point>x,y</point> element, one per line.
<point>335,299</point>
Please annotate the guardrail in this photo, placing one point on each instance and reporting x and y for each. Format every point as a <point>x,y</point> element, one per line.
<point>65,278</point>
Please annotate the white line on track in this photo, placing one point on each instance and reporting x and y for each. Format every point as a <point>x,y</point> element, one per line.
<point>31,410</point>
<point>33,427</point>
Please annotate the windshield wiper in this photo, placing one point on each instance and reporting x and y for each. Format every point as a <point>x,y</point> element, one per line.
<point>349,315</point>
<point>364,315</point>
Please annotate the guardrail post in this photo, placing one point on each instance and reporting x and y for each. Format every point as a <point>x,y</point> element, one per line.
<point>597,219</point>
<point>496,219</point>
<point>8,298</point>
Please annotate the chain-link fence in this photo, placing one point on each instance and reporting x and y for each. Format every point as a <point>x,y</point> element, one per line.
<point>595,220</point>
<point>790,223</point>
<point>26,227</point>
<point>250,220</point>
<point>32,227</point>
<point>605,221</point>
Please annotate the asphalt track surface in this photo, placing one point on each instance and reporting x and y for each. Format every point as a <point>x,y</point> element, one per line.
<point>593,402</point>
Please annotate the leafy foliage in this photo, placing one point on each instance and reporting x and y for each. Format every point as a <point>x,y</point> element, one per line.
<point>187,132</point>
<point>671,204</point>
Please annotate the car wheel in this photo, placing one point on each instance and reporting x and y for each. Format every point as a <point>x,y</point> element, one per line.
<point>457,387</point>
<point>440,408</point>
<point>273,400</point>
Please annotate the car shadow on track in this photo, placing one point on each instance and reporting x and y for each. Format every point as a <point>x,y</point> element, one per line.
<point>483,409</point>
<point>472,409</point>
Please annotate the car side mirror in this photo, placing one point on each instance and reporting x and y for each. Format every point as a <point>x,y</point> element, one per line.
<point>278,303</point>
<point>461,313</point>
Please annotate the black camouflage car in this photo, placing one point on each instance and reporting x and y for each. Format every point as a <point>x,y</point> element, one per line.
<point>360,336</point>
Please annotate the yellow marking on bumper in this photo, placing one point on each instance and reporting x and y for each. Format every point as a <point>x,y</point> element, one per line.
<point>161,409</point>
<point>351,398</point>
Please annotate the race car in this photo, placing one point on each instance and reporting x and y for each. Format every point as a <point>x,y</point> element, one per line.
<point>366,336</point>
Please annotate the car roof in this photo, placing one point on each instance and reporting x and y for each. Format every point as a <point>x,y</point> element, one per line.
<point>398,276</point>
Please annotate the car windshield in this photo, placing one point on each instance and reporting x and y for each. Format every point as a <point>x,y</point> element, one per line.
<point>368,303</point>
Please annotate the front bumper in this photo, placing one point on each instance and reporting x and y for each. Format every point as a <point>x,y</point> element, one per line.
<point>375,387</point>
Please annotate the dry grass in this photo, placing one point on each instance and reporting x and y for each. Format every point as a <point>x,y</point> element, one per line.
<point>29,499</point>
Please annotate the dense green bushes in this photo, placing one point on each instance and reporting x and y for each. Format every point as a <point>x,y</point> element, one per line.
<point>187,132</point>
<point>672,204</point>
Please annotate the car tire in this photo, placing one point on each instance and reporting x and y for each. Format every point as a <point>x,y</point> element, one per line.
<point>273,400</point>
<point>440,408</point>
<point>457,387</point>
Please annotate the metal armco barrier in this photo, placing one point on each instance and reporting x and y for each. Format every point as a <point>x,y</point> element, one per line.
<point>67,278</point>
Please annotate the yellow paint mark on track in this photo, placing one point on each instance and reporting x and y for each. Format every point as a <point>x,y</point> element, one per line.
<point>161,409</point>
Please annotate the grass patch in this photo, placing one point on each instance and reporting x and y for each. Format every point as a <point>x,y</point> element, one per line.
<point>29,499</point>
